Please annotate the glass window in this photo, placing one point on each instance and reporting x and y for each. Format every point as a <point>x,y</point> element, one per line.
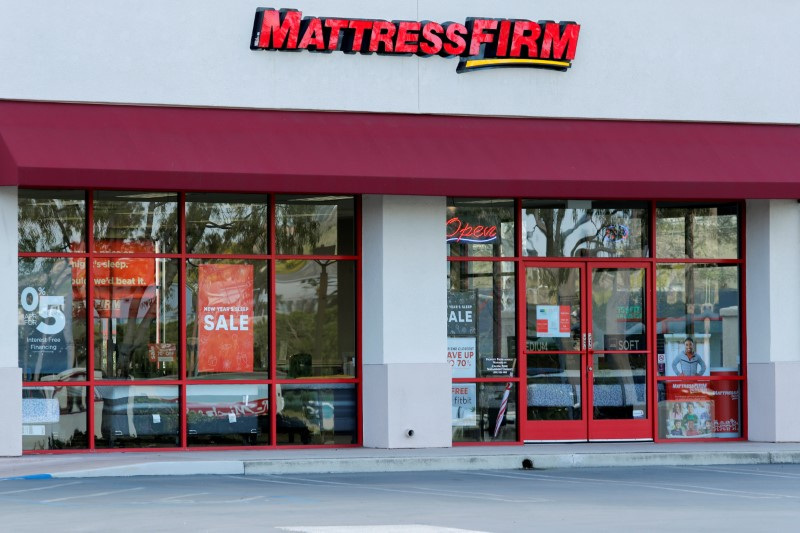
<point>315,318</point>
<point>226,223</point>
<point>135,222</point>
<point>51,221</point>
<point>136,317</point>
<point>619,305</point>
<point>481,319</point>
<point>52,319</point>
<point>554,387</point>
<point>484,412</point>
<point>322,413</point>
<point>227,319</point>
<point>227,415</point>
<point>697,319</point>
<point>619,388</point>
<point>315,225</point>
<point>553,295</point>
<point>584,228</point>
<point>137,417</point>
<point>54,418</point>
<point>697,231</point>
<point>476,227</point>
<point>700,409</point>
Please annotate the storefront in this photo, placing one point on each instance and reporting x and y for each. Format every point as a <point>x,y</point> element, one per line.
<point>268,249</point>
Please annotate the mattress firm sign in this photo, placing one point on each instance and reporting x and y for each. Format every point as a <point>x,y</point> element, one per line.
<point>479,43</point>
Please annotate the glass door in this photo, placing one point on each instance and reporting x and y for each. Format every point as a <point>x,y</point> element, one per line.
<point>619,355</point>
<point>586,360</point>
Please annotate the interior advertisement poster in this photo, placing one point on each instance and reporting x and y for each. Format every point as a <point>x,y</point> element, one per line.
<point>552,321</point>
<point>687,355</point>
<point>461,356</point>
<point>46,344</point>
<point>690,411</point>
<point>461,313</point>
<point>124,287</point>
<point>225,312</point>
<point>464,405</point>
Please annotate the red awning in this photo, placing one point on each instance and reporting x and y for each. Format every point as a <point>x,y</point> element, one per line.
<point>168,148</point>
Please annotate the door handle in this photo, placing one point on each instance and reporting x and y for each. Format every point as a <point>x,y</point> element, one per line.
<point>591,346</point>
<point>589,369</point>
<point>583,341</point>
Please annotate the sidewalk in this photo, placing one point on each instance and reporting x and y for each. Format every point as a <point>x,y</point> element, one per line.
<point>261,462</point>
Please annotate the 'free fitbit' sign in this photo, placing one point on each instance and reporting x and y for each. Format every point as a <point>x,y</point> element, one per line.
<point>479,42</point>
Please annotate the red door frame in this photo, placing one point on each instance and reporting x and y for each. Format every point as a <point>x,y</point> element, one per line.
<point>587,428</point>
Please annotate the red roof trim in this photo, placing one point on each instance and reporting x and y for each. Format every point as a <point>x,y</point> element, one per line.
<point>105,146</point>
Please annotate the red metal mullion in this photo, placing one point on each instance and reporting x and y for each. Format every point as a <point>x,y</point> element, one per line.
<point>652,368</point>
<point>183,371</point>
<point>273,342</point>
<point>521,333</point>
<point>89,272</point>
<point>359,316</point>
<point>743,392</point>
<point>588,355</point>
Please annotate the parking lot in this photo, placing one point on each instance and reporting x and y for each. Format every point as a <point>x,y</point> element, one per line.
<point>733,498</point>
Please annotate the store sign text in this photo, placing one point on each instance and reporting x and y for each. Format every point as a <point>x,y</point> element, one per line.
<point>458,231</point>
<point>479,42</point>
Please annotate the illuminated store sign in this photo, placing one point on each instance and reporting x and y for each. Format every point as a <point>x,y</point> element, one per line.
<point>458,231</point>
<point>479,42</point>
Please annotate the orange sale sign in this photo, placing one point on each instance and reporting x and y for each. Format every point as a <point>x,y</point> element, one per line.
<point>225,313</point>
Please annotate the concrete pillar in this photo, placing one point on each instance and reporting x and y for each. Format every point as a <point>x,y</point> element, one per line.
<point>406,377</point>
<point>773,319</point>
<point>10,373</point>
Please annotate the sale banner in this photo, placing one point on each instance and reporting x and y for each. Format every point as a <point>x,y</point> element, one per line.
<point>225,313</point>
<point>461,356</point>
<point>119,278</point>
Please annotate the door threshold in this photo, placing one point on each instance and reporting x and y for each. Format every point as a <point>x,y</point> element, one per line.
<point>584,440</point>
<point>622,440</point>
<point>552,441</point>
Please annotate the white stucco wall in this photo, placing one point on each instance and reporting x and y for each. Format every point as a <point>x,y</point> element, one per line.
<point>406,377</point>
<point>10,374</point>
<point>717,60</point>
<point>773,319</point>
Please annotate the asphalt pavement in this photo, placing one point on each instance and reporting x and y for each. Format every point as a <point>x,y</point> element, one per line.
<point>654,498</point>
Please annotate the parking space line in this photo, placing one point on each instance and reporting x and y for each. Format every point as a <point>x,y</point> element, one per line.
<point>96,494</point>
<point>742,472</point>
<point>41,488</point>
<point>387,489</point>
<point>690,489</point>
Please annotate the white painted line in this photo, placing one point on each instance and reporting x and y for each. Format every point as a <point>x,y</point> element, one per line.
<point>96,494</point>
<point>709,491</point>
<point>275,481</point>
<point>42,488</point>
<point>742,472</point>
<point>386,489</point>
<point>183,496</point>
<point>404,528</point>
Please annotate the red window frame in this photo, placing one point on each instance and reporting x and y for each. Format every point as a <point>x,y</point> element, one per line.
<point>271,257</point>
<point>521,261</point>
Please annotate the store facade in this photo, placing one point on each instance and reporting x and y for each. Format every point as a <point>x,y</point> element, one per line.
<point>367,250</point>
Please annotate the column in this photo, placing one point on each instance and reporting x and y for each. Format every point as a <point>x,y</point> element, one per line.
<point>406,377</point>
<point>773,320</point>
<point>10,373</point>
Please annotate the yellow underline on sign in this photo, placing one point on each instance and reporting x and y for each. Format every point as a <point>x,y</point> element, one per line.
<point>487,62</point>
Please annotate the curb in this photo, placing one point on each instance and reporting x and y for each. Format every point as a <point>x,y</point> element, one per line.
<point>420,464</point>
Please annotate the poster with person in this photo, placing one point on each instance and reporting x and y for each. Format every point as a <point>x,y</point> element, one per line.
<point>689,419</point>
<point>687,355</point>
